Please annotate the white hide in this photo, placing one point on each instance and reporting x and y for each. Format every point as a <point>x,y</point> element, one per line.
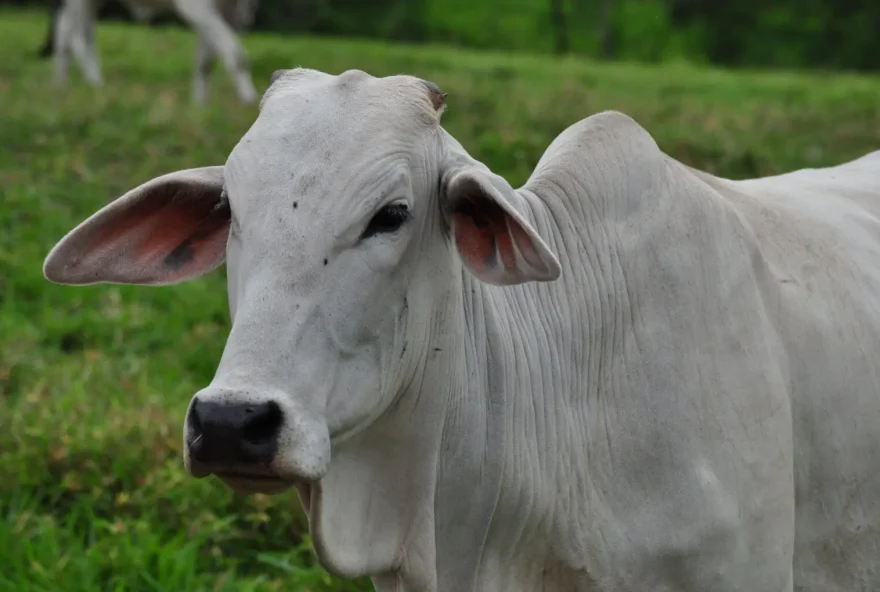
<point>655,379</point>
<point>215,21</point>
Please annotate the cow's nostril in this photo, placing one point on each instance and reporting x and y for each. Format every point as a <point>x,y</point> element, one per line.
<point>195,422</point>
<point>261,423</point>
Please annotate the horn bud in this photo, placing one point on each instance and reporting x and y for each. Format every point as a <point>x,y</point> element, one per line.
<point>438,97</point>
<point>276,75</point>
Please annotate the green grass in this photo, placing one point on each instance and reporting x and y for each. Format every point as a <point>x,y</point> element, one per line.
<point>94,381</point>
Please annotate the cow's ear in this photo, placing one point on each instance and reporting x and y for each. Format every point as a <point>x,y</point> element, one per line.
<point>494,239</point>
<point>170,229</point>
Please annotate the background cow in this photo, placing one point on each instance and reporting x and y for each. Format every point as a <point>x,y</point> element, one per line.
<point>71,32</point>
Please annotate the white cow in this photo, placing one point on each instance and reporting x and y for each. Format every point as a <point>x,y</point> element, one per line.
<point>215,21</point>
<point>627,375</point>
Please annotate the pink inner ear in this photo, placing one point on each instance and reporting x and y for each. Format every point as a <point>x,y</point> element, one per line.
<point>485,239</point>
<point>181,239</point>
<point>179,250</point>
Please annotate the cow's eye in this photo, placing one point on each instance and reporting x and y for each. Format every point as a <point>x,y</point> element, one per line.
<point>388,219</point>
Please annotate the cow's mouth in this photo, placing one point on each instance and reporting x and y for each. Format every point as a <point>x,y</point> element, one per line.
<point>253,483</point>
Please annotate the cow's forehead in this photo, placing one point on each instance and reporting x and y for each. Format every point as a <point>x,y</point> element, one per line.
<point>313,124</point>
<point>317,132</point>
<point>296,80</point>
<point>353,95</point>
<point>299,79</point>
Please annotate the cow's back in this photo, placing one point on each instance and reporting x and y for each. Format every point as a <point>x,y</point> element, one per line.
<point>819,233</point>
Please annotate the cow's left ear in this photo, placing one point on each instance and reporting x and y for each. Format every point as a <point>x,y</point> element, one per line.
<point>494,238</point>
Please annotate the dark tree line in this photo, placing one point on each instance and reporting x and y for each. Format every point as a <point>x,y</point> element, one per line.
<point>817,33</point>
<point>832,34</point>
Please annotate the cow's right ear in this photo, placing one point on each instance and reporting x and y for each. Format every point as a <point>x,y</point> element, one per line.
<point>170,229</point>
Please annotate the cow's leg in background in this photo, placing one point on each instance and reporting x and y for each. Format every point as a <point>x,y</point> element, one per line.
<point>205,60</point>
<point>90,63</point>
<point>63,33</point>
<point>83,44</point>
<point>204,18</point>
<point>75,34</point>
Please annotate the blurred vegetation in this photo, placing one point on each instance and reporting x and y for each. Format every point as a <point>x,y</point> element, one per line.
<point>824,34</point>
<point>94,381</point>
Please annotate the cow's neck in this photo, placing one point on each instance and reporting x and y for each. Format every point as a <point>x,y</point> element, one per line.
<point>427,492</point>
<point>509,429</point>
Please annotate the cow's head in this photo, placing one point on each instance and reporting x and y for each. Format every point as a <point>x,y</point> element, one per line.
<point>344,214</point>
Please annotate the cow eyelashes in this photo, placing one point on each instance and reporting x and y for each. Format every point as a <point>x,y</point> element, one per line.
<point>386,220</point>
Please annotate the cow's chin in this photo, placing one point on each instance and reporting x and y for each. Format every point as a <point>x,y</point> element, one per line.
<point>253,484</point>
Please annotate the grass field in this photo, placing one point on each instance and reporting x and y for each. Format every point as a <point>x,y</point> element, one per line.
<point>94,381</point>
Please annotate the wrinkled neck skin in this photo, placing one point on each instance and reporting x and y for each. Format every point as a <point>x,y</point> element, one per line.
<point>434,496</point>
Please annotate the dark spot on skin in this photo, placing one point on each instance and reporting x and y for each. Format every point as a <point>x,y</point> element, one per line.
<point>295,205</point>
<point>325,262</point>
<point>491,259</point>
<point>402,319</point>
<point>182,255</point>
